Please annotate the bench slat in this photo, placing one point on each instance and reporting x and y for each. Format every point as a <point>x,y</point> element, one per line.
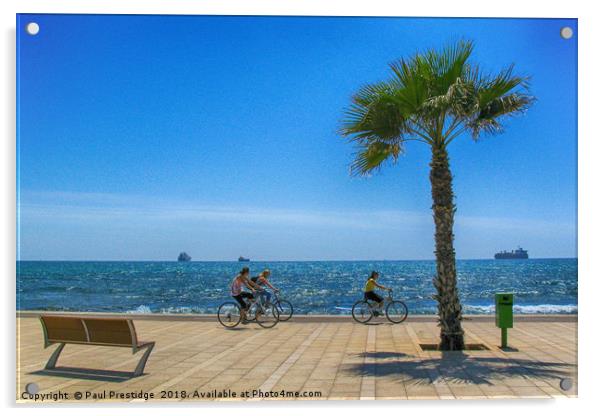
<point>109,331</point>
<point>64,329</point>
<point>119,332</point>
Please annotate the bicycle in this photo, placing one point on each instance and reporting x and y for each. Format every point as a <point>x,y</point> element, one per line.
<point>395,310</point>
<point>266,315</point>
<point>284,307</point>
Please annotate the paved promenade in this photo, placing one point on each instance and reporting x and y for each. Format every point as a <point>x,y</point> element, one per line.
<point>308,359</point>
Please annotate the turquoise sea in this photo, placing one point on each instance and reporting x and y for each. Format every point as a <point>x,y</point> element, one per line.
<point>314,287</point>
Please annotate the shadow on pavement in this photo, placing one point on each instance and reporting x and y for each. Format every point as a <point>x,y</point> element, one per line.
<point>384,354</point>
<point>456,367</point>
<point>87,374</point>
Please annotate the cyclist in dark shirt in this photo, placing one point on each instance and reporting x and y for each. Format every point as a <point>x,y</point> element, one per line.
<point>262,281</point>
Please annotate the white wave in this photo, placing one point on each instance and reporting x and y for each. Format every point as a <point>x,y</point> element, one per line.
<point>524,309</point>
<point>186,309</point>
<point>141,309</point>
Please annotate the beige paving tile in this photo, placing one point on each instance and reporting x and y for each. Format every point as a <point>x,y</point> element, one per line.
<point>341,360</point>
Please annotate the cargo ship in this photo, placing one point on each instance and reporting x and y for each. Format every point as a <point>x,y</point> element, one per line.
<point>241,258</point>
<point>510,255</point>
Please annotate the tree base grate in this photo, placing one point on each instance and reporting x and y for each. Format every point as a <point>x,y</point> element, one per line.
<point>467,347</point>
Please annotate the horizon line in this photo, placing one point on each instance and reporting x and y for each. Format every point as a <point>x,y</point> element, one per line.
<point>281,261</point>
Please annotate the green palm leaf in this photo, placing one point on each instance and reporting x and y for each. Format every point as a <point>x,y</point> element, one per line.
<point>431,97</point>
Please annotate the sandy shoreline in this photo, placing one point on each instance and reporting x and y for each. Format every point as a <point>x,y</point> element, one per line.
<point>297,318</point>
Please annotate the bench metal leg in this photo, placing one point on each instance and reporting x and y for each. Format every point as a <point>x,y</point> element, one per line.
<point>142,363</point>
<point>54,357</point>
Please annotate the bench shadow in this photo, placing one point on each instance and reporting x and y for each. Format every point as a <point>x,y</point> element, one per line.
<point>457,367</point>
<point>87,374</point>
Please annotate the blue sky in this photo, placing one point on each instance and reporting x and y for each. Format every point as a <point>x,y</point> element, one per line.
<point>142,136</point>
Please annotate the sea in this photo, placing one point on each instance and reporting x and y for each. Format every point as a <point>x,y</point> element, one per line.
<point>540,286</point>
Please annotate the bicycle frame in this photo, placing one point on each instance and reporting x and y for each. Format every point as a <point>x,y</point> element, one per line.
<point>276,297</point>
<point>388,298</point>
<point>257,300</point>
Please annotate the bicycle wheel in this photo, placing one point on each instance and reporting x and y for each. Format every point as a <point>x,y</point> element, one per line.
<point>228,314</point>
<point>397,311</point>
<point>285,309</point>
<point>361,312</point>
<point>268,318</point>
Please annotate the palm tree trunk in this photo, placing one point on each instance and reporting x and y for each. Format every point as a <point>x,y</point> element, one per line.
<point>449,308</point>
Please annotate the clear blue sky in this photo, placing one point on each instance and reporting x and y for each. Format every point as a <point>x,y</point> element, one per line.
<point>143,136</point>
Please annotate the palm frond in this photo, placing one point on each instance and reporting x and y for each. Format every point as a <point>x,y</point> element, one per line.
<point>432,97</point>
<point>372,156</point>
<point>488,119</point>
<point>448,65</point>
<point>460,100</point>
<point>374,113</point>
<point>493,87</point>
<point>411,79</point>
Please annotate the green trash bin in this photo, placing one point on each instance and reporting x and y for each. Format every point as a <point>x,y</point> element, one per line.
<point>504,318</point>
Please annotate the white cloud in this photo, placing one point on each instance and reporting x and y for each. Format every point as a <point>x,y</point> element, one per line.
<point>97,225</point>
<point>153,210</point>
<point>90,207</point>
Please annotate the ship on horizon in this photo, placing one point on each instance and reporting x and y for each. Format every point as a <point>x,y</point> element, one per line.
<point>241,258</point>
<point>184,257</point>
<point>510,255</point>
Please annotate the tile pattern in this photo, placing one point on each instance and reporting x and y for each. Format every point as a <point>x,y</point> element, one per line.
<point>340,359</point>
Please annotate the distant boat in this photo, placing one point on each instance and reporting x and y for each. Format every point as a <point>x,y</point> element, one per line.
<point>184,257</point>
<point>241,258</point>
<point>511,255</point>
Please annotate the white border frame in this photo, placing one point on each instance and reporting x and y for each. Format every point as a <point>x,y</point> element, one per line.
<point>590,206</point>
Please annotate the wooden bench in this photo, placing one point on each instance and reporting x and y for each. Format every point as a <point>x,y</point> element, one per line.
<point>83,330</point>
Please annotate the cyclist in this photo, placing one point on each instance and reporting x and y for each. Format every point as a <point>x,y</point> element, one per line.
<point>262,280</point>
<point>242,279</point>
<point>369,293</point>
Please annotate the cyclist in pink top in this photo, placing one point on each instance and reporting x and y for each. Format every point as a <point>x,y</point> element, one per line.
<point>236,289</point>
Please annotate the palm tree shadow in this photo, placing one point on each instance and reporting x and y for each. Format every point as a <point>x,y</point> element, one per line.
<point>456,367</point>
<point>383,354</point>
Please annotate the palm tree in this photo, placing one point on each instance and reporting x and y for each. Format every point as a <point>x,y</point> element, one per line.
<point>433,98</point>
